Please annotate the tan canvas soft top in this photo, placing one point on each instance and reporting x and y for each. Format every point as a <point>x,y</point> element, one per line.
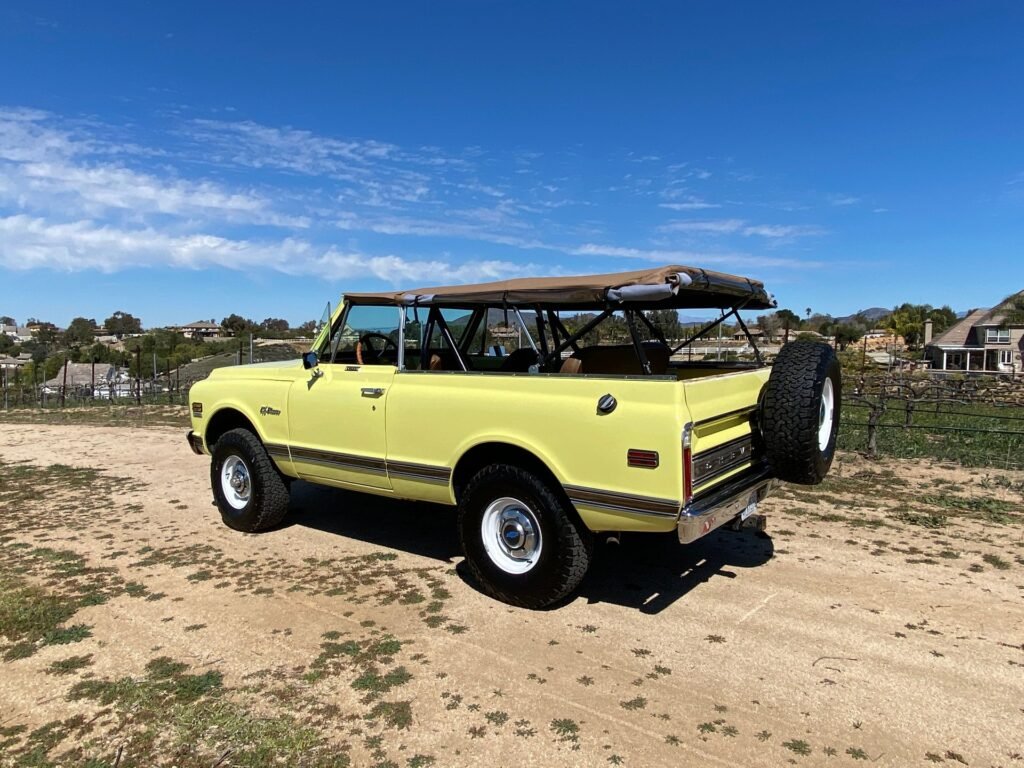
<point>663,287</point>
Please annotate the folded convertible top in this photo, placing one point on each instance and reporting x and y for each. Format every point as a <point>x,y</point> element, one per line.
<point>669,287</point>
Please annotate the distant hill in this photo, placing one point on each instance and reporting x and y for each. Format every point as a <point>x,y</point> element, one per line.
<point>874,314</point>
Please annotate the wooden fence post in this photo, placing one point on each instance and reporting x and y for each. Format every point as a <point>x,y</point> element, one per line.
<point>874,416</point>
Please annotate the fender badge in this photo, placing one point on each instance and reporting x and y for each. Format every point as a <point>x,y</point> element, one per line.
<point>266,410</point>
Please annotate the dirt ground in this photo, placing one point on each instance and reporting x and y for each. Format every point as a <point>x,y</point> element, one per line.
<point>881,619</point>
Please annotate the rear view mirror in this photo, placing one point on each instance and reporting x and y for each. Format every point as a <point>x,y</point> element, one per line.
<point>310,360</point>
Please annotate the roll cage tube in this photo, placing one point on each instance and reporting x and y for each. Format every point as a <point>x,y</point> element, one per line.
<point>436,320</point>
<point>560,337</point>
<point>556,353</point>
<point>638,343</point>
<point>735,311</point>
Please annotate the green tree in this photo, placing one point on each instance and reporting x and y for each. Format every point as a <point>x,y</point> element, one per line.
<point>667,321</point>
<point>275,325</point>
<point>1013,309</point>
<point>942,318</point>
<point>847,334</point>
<point>238,324</point>
<point>7,320</point>
<point>769,324</point>
<point>907,320</point>
<point>121,324</point>
<point>79,332</point>
<point>788,320</point>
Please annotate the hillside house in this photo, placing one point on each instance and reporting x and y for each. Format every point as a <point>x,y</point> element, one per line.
<point>81,375</point>
<point>17,334</point>
<point>202,329</point>
<point>982,341</point>
<point>755,333</point>
<point>10,364</point>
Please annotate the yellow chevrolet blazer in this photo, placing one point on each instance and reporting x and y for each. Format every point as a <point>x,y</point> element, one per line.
<point>548,410</point>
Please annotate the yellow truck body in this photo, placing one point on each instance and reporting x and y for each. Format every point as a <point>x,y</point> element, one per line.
<point>539,448</point>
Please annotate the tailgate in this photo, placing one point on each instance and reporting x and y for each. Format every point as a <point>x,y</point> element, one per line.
<point>723,439</point>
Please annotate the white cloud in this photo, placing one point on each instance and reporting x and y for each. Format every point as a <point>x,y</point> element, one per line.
<point>33,243</point>
<point>76,194</point>
<point>715,226</point>
<point>694,258</point>
<point>46,169</point>
<point>741,227</point>
<point>841,200</point>
<point>785,231</point>
<point>689,203</point>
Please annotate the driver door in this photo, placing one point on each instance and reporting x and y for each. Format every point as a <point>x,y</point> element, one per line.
<point>336,418</point>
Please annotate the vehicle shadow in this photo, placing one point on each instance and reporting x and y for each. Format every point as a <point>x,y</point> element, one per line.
<point>650,572</point>
<point>423,529</point>
<point>646,571</point>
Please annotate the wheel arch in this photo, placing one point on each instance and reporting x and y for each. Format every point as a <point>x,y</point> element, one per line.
<point>498,452</point>
<point>224,419</point>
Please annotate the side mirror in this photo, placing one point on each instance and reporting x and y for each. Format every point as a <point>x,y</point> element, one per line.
<point>310,360</point>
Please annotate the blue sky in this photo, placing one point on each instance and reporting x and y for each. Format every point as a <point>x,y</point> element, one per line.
<point>189,160</point>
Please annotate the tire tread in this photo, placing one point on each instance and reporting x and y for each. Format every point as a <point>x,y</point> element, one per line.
<point>270,491</point>
<point>574,550</point>
<point>789,411</point>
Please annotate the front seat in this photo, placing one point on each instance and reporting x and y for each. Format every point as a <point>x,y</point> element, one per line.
<point>519,361</point>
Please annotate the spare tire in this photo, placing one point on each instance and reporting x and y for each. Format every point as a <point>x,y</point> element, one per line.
<point>800,412</point>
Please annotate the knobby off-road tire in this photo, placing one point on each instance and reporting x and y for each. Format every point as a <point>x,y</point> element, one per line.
<point>800,412</point>
<point>504,505</point>
<point>250,494</point>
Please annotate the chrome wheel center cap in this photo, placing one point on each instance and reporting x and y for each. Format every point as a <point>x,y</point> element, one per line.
<point>513,534</point>
<point>517,536</point>
<point>239,481</point>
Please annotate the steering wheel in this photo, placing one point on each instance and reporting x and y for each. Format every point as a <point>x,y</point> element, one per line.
<point>365,352</point>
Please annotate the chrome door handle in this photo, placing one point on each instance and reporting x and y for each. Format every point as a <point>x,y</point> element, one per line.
<point>372,391</point>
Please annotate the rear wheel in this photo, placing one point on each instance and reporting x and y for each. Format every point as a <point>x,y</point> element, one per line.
<point>800,412</point>
<point>522,541</point>
<point>249,492</point>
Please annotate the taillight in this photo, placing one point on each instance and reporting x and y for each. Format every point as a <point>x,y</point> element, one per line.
<point>687,465</point>
<point>636,457</point>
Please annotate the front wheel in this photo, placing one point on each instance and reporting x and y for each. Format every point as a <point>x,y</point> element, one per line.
<point>522,541</point>
<point>248,490</point>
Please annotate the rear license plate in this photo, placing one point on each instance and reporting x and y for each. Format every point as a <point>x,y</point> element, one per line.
<point>751,507</point>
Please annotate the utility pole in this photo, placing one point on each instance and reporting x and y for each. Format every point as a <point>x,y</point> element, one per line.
<point>64,384</point>
<point>250,347</point>
<point>138,367</point>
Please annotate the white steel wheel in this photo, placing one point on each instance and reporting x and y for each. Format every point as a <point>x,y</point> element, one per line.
<point>826,415</point>
<point>511,535</point>
<point>236,482</point>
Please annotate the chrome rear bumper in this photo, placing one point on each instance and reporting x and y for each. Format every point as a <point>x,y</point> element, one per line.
<point>715,508</point>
